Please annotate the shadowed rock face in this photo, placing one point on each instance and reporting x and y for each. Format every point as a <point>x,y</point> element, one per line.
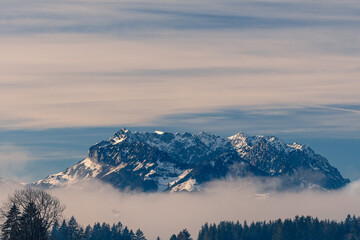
<point>185,162</point>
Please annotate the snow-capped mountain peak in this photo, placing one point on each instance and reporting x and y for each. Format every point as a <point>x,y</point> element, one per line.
<point>119,137</point>
<point>163,161</point>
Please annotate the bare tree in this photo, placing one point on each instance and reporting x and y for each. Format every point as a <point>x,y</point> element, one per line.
<point>49,208</point>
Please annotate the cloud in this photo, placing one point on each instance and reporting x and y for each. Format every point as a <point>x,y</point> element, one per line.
<point>13,161</point>
<point>111,63</point>
<point>26,163</point>
<point>7,188</point>
<point>123,17</point>
<point>162,214</point>
<point>78,88</point>
<point>282,121</point>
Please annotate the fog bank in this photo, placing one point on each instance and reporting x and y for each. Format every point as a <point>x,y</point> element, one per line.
<point>163,214</point>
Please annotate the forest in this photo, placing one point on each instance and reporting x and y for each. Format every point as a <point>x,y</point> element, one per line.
<point>299,228</point>
<point>33,214</point>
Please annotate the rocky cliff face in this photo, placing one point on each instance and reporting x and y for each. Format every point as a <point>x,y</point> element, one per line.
<point>296,163</point>
<point>185,162</point>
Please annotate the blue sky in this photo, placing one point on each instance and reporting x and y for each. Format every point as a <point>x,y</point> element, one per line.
<point>72,73</point>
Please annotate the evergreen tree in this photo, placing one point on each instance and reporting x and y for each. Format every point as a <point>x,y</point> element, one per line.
<point>87,233</point>
<point>139,235</point>
<point>277,232</point>
<point>10,228</point>
<point>55,234</point>
<point>116,231</point>
<point>96,232</point>
<point>63,231</point>
<point>31,225</point>
<point>126,234</point>
<point>74,231</point>
<point>203,232</point>
<point>106,232</point>
<point>184,235</point>
<point>173,237</point>
<point>131,235</point>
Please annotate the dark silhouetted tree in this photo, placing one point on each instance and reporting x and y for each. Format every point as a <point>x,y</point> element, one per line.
<point>173,237</point>
<point>32,226</point>
<point>74,230</point>
<point>184,235</point>
<point>139,235</point>
<point>10,228</point>
<point>36,212</point>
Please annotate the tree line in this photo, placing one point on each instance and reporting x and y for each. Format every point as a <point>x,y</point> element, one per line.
<point>299,228</point>
<point>33,214</point>
<point>71,230</point>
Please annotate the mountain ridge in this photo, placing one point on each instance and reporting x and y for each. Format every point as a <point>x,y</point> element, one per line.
<point>163,161</point>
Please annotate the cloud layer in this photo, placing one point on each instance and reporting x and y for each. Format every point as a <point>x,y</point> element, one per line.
<point>165,214</point>
<point>107,63</point>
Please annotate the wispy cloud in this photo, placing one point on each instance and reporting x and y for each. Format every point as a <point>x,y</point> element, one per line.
<point>111,63</point>
<point>13,161</point>
<point>105,83</point>
<point>119,17</point>
<point>301,121</point>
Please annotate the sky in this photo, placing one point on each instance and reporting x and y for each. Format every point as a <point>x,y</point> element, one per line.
<point>73,72</point>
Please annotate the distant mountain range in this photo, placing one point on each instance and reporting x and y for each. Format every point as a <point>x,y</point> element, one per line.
<point>162,161</point>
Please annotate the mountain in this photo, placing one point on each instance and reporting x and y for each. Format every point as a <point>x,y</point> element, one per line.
<point>174,162</point>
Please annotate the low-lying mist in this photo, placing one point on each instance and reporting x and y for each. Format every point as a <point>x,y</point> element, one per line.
<point>163,214</point>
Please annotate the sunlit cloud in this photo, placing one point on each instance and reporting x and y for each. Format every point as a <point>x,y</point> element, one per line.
<point>103,63</point>
<point>162,214</point>
<point>104,83</point>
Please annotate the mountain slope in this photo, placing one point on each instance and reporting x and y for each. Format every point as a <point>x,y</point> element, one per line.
<point>185,162</point>
<point>296,163</point>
